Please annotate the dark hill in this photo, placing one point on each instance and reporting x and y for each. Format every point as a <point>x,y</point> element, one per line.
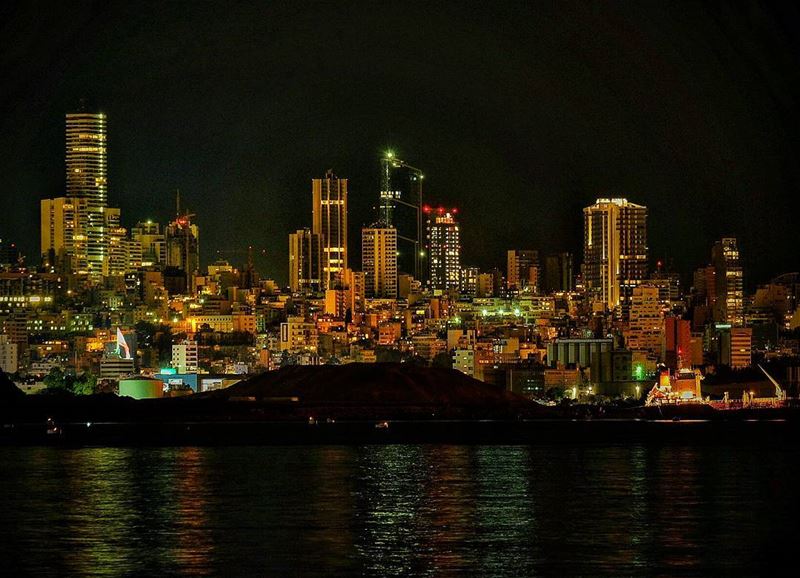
<point>9,391</point>
<point>294,394</point>
<point>373,384</point>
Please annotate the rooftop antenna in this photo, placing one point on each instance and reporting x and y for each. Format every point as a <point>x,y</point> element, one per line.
<point>177,202</point>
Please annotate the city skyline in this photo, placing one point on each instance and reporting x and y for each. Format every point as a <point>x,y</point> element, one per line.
<point>71,207</point>
<point>399,288</point>
<point>697,162</point>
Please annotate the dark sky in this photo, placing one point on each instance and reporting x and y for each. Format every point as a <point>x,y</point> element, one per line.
<point>519,113</point>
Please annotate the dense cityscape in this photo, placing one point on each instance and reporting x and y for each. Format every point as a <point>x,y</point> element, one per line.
<point>399,288</point>
<point>132,309</point>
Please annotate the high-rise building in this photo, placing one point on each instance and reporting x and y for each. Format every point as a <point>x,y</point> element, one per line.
<point>330,223</point>
<point>60,250</point>
<point>133,253</point>
<point>741,355</point>
<point>484,285</point>
<point>401,207</point>
<point>444,249</point>
<point>355,284</point>
<point>116,262</point>
<point>558,273</point>
<point>677,342</point>
<point>347,298</point>
<point>614,251</point>
<point>523,269</point>
<point>469,281</point>
<point>646,327</point>
<point>729,282</point>
<point>379,260</point>
<point>668,283</point>
<point>153,243</point>
<point>183,247</point>
<point>87,179</point>
<point>304,261</point>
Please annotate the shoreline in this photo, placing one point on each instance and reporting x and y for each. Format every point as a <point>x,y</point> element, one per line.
<point>780,431</point>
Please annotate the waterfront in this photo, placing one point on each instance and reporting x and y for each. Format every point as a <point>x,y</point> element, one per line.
<point>399,509</point>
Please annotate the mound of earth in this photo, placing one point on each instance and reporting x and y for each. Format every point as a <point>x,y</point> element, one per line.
<point>372,384</point>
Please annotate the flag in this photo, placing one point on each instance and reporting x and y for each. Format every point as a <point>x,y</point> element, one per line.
<point>121,343</point>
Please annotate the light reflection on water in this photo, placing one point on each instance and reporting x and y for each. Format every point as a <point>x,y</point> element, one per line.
<point>396,510</point>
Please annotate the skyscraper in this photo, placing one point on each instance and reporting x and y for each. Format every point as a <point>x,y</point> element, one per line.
<point>729,282</point>
<point>645,332</point>
<point>614,251</point>
<point>59,226</point>
<point>523,269</point>
<point>87,179</point>
<point>152,241</point>
<point>304,261</point>
<point>379,260</point>
<point>330,223</point>
<point>116,261</point>
<point>183,245</point>
<point>677,342</point>
<point>401,207</point>
<point>444,249</point>
<point>558,273</point>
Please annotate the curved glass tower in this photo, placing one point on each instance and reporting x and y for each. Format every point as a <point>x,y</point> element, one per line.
<point>87,179</point>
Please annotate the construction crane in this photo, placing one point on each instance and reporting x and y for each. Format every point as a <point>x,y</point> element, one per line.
<point>779,393</point>
<point>248,251</point>
<point>389,199</point>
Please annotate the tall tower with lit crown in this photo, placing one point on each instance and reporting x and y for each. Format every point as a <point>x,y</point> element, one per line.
<point>444,249</point>
<point>614,251</point>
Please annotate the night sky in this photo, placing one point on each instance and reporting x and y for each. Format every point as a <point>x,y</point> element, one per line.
<point>520,114</point>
